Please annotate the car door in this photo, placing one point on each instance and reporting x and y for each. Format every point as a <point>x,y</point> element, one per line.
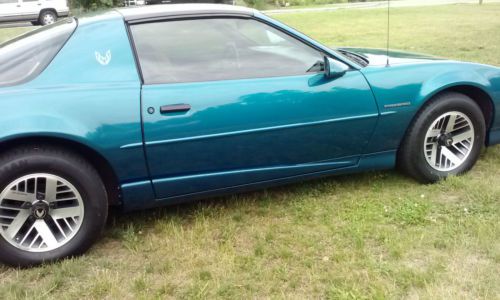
<point>9,10</point>
<point>30,9</point>
<point>231,101</point>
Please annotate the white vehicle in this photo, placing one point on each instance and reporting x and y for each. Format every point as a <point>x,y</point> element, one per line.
<point>133,2</point>
<point>38,12</point>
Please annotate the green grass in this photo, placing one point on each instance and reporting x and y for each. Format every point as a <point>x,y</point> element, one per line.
<point>366,236</point>
<point>8,33</point>
<point>465,32</point>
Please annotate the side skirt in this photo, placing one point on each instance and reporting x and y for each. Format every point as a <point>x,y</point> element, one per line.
<point>494,137</point>
<point>140,195</point>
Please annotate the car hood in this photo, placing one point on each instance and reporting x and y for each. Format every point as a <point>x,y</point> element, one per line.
<point>378,57</point>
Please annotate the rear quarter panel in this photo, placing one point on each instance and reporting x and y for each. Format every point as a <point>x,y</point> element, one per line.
<point>80,99</point>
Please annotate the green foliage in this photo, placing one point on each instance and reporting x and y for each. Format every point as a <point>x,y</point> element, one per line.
<point>258,4</point>
<point>91,5</point>
<point>263,4</point>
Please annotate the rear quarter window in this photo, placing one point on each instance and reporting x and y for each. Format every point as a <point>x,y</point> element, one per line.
<point>25,57</point>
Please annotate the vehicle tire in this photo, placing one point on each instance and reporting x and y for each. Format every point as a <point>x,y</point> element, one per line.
<point>444,139</point>
<point>53,204</point>
<point>47,17</point>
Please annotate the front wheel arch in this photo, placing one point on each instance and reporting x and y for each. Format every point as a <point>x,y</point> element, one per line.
<point>477,94</point>
<point>407,157</point>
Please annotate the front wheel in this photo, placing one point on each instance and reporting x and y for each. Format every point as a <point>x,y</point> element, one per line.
<point>445,138</point>
<point>53,204</point>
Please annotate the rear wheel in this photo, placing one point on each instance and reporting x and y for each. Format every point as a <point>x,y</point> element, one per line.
<point>52,205</point>
<point>445,138</point>
<point>47,17</point>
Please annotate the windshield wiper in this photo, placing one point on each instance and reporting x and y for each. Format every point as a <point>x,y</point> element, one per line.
<point>358,58</point>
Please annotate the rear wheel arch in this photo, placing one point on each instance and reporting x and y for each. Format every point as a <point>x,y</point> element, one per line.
<point>48,9</point>
<point>103,167</point>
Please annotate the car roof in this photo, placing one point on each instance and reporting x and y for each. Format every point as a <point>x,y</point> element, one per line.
<point>172,10</point>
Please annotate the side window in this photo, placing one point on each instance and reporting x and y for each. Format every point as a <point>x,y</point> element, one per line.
<point>218,49</point>
<point>26,56</point>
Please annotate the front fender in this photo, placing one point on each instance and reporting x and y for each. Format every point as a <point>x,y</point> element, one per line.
<point>450,79</point>
<point>402,90</point>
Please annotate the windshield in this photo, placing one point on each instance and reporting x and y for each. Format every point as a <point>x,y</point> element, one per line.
<point>26,56</point>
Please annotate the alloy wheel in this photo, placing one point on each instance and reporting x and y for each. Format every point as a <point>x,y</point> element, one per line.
<point>449,141</point>
<point>40,212</point>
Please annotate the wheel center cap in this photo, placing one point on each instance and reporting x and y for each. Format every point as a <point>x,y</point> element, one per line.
<point>40,209</point>
<point>445,140</point>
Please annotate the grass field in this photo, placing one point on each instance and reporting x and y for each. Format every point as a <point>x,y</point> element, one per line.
<point>367,236</point>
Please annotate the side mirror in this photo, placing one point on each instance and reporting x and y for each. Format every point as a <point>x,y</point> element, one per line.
<point>334,68</point>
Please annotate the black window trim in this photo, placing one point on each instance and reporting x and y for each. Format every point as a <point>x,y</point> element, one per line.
<point>231,15</point>
<point>187,16</point>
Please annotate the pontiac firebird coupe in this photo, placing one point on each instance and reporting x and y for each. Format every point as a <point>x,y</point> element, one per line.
<point>150,106</point>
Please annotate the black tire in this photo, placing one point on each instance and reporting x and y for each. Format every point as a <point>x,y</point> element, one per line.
<point>82,175</point>
<point>411,157</point>
<point>47,17</point>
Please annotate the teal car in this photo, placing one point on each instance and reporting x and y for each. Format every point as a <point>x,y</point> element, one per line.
<point>152,106</point>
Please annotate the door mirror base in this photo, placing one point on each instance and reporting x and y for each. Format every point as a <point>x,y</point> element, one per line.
<point>334,68</point>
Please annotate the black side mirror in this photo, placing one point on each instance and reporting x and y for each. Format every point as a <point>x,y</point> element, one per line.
<point>334,68</point>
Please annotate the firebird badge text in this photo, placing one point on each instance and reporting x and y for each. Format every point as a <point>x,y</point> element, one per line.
<point>397,104</point>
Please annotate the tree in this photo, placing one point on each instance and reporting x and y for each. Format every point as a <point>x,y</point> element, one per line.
<point>93,4</point>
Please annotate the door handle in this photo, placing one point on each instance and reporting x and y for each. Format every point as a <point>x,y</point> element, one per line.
<point>165,109</point>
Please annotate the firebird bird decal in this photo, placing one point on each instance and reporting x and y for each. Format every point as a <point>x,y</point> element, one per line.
<point>103,59</point>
